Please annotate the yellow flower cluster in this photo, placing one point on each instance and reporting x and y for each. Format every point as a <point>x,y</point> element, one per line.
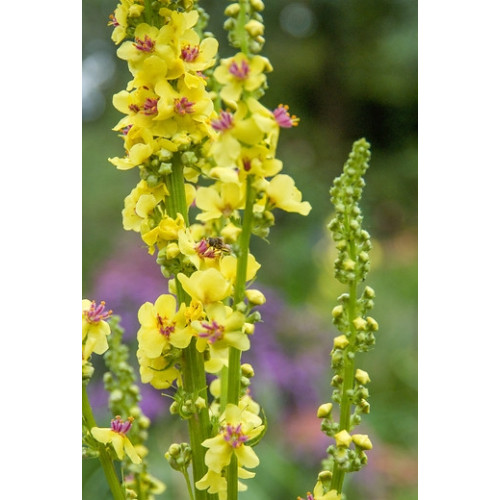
<point>205,149</point>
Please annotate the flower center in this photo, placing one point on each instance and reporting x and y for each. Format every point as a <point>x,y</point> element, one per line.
<point>120,426</point>
<point>240,72</point>
<point>125,130</point>
<point>225,122</point>
<point>165,327</point>
<point>183,106</point>
<point>97,313</point>
<point>234,435</point>
<point>150,106</point>
<point>189,54</point>
<point>283,118</point>
<point>213,332</point>
<point>146,45</point>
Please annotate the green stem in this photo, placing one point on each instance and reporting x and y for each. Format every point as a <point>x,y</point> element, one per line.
<point>348,384</point>
<point>193,373</point>
<point>241,32</point>
<point>234,368</point>
<point>104,457</point>
<point>188,483</point>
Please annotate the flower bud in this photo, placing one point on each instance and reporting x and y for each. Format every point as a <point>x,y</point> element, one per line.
<point>232,10</point>
<point>372,324</point>
<point>324,410</point>
<point>254,28</point>
<point>257,5</point>
<point>337,311</point>
<point>340,342</point>
<point>255,297</point>
<point>359,323</point>
<point>343,438</point>
<point>247,370</point>
<point>362,377</point>
<point>363,441</point>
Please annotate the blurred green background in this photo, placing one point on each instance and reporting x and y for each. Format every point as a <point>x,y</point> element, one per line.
<point>348,70</point>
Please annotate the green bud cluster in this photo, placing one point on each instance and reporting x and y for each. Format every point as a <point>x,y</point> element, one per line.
<point>179,456</point>
<point>350,316</point>
<point>245,25</point>
<point>352,242</point>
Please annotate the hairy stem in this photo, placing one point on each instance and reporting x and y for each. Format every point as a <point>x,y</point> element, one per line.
<point>234,368</point>
<point>193,372</point>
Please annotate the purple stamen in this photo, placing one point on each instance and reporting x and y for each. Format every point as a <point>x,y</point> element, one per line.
<point>99,313</point>
<point>234,435</point>
<point>189,54</point>
<point>121,427</point>
<point>283,118</point>
<point>183,106</point>
<point>213,332</point>
<point>240,72</point>
<point>150,106</point>
<point>146,45</point>
<point>165,328</point>
<point>225,122</point>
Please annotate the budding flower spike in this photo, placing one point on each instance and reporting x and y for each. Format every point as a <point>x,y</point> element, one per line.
<point>356,328</point>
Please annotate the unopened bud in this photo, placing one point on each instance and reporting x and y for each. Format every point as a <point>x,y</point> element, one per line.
<point>359,323</point>
<point>363,441</point>
<point>340,342</point>
<point>324,410</point>
<point>247,370</point>
<point>232,10</point>
<point>362,376</point>
<point>255,297</point>
<point>343,438</point>
<point>337,311</point>
<point>254,28</point>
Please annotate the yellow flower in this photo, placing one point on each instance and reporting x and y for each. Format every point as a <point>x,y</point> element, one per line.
<point>151,56</point>
<point>162,326</point>
<point>159,372</point>
<point>94,328</point>
<point>217,483</point>
<point>166,230</point>
<point>237,427</point>
<point>228,267</point>
<point>319,495</point>
<point>140,203</point>
<point>219,200</point>
<point>116,436</point>
<point>239,73</point>
<point>282,193</point>
<point>222,328</point>
<point>206,286</point>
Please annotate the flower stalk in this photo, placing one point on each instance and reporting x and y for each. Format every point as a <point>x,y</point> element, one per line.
<point>104,456</point>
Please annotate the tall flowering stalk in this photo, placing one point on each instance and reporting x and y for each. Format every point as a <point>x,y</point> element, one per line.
<point>205,150</point>
<point>356,329</point>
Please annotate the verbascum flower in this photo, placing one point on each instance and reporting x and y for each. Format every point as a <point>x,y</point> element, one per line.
<point>282,193</point>
<point>160,372</point>
<point>318,494</point>
<point>237,427</point>
<point>206,286</point>
<point>162,325</point>
<point>240,73</point>
<point>221,329</point>
<point>139,204</point>
<point>217,483</point>
<point>116,435</point>
<point>219,200</point>
<point>95,329</point>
